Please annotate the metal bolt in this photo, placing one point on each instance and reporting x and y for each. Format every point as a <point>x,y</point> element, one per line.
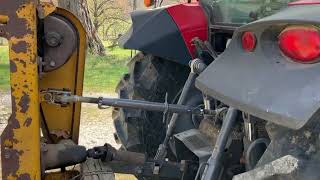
<point>47,97</point>
<point>139,171</point>
<point>52,63</point>
<point>53,39</point>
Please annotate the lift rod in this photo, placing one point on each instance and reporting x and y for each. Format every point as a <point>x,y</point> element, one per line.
<point>62,98</point>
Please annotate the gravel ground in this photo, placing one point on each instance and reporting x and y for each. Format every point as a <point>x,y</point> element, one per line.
<point>96,127</point>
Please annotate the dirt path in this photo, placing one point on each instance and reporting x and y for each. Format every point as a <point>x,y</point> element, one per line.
<point>96,127</point>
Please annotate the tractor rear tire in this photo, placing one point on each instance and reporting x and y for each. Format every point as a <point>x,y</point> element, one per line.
<point>150,78</point>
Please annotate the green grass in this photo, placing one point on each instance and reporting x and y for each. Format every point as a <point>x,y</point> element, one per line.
<point>4,68</point>
<point>101,74</point>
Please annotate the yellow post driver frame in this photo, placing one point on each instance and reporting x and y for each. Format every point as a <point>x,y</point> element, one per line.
<point>47,53</point>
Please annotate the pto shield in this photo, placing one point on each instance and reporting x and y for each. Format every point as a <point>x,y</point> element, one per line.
<point>264,82</point>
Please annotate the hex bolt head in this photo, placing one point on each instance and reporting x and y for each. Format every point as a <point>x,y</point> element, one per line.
<point>52,63</point>
<point>47,97</point>
<point>53,39</point>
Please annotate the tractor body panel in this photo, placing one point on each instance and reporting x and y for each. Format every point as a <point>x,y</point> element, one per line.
<point>264,82</point>
<point>167,32</point>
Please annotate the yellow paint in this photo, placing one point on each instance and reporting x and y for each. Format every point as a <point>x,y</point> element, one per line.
<point>61,175</point>
<point>47,8</point>
<point>81,67</point>
<point>70,77</point>
<point>4,19</point>
<point>25,82</point>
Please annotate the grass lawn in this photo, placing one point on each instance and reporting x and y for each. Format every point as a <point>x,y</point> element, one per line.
<point>101,74</point>
<point>4,68</point>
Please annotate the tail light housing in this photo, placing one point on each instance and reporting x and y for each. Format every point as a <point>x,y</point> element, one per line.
<point>248,41</point>
<point>148,3</point>
<point>301,43</point>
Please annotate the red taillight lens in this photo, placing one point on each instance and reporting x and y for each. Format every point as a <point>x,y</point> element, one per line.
<point>249,41</point>
<point>301,44</point>
<point>304,2</point>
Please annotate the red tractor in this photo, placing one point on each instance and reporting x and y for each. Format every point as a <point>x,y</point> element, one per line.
<point>221,89</point>
<point>164,38</point>
<point>168,38</point>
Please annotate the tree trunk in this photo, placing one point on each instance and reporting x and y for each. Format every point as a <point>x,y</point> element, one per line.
<point>80,9</point>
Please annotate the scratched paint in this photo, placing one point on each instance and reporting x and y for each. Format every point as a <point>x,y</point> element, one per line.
<point>20,140</point>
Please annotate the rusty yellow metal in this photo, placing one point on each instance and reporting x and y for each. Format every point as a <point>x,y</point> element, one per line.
<point>4,19</point>
<point>20,141</point>
<point>67,175</point>
<point>45,9</point>
<point>82,49</point>
<point>21,138</point>
<point>66,120</point>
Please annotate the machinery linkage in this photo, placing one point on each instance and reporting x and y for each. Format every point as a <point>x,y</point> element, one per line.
<point>121,161</point>
<point>64,98</point>
<point>136,163</point>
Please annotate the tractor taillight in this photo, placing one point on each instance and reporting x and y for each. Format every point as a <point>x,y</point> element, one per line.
<point>300,43</point>
<point>304,2</point>
<point>248,41</point>
<point>148,3</point>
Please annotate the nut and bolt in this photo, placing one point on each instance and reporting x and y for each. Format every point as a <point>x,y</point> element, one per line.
<point>52,63</point>
<point>53,39</point>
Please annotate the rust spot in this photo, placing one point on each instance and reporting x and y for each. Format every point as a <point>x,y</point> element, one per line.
<point>10,157</point>
<point>21,34</point>
<point>23,63</point>
<point>25,86</point>
<point>24,102</point>
<point>24,177</point>
<point>20,47</point>
<point>15,123</point>
<point>27,122</point>
<point>13,67</point>
<point>8,134</point>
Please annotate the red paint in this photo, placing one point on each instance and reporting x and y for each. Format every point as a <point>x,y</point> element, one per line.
<point>249,41</point>
<point>191,21</point>
<point>304,2</point>
<point>301,44</point>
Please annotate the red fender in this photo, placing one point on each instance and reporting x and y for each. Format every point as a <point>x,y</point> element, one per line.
<point>191,21</point>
